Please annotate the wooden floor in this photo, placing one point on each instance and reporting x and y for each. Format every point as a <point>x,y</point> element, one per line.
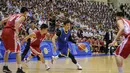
<point>104,64</point>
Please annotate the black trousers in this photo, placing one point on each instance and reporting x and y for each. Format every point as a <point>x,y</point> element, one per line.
<point>107,45</point>
<point>70,56</point>
<point>106,49</point>
<point>27,47</point>
<point>102,49</point>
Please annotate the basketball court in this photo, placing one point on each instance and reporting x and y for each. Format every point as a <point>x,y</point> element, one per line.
<point>98,64</point>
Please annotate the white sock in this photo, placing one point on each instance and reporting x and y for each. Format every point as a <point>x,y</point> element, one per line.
<point>56,57</point>
<point>77,64</point>
<point>46,65</point>
<point>5,63</point>
<point>19,66</point>
<point>28,59</point>
<point>120,70</point>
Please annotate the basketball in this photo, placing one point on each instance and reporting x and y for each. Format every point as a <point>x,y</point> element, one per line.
<point>81,46</point>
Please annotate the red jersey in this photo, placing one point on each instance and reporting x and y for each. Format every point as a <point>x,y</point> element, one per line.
<point>11,21</point>
<point>35,42</point>
<point>126,31</point>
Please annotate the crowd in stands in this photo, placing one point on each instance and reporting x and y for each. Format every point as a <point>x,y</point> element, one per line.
<point>126,9</point>
<point>90,19</point>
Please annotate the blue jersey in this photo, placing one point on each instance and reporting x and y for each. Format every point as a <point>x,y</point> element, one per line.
<point>63,41</point>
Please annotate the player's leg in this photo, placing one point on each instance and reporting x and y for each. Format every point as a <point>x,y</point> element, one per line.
<point>41,58</point>
<point>63,53</point>
<point>5,67</point>
<point>43,61</point>
<point>122,52</point>
<point>18,59</point>
<point>6,41</point>
<point>37,52</point>
<point>28,58</point>
<point>38,58</point>
<point>119,61</point>
<point>53,58</point>
<point>71,56</point>
<point>33,53</point>
<point>60,56</point>
<point>26,49</point>
<point>6,57</point>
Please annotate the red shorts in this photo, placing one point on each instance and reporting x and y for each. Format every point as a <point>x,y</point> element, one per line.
<point>123,49</point>
<point>10,41</point>
<point>35,51</point>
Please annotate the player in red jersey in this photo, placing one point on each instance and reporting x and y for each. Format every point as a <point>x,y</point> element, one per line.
<point>10,37</point>
<point>36,39</point>
<point>122,51</point>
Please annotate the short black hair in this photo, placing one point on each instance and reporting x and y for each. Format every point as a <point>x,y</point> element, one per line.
<point>66,21</point>
<point>43,26</point>
<point>23,9</point>
<point>120,14</point>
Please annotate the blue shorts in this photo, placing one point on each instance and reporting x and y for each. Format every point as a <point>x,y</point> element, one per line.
<point>64,50</point>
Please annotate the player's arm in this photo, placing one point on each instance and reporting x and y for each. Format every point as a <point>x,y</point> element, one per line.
<point>29,36</point>
<point>47,36</point>
<point>71,40</point>
<point>4,20</point>
<point>121,28</point>
<point>18,22</point>
<point>58,33</point>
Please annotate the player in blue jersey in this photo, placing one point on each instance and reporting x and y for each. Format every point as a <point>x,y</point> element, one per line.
<point>63,36</point>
